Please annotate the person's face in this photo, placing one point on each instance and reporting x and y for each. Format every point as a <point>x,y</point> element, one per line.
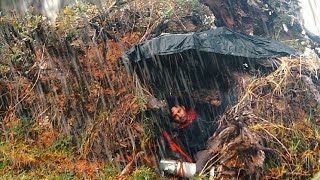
<point>179,114</point>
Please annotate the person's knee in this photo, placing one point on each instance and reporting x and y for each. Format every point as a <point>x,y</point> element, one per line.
<point>202,158</point>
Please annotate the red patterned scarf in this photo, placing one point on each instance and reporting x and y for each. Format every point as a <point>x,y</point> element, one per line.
<point>192,115</point>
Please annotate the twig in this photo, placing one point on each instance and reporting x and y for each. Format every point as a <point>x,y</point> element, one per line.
<point>297,174</point>
<point>184,28</point>
<point>207,166</point>
<point>281,176</point>
<point>284,147</point>
<point>111,6</point>
<point>149,30</point>
<point>28,92</point>
<point>38,76</point>
<point>128,167</point>
<point>5,132</point>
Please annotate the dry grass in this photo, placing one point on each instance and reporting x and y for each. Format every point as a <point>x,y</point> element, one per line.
<point>52,92</point>
<point>280,110</point>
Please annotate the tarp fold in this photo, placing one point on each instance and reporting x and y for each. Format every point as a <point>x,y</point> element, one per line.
<point>221,40</point>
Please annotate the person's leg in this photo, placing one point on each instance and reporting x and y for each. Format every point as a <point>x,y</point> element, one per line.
<point>202,157</point>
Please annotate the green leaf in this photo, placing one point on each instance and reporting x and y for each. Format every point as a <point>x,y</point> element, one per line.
<point>316,176</point>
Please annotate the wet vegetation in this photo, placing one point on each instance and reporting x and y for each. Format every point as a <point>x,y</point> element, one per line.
<point>69,108</point>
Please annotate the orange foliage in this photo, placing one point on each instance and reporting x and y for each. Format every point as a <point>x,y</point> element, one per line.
<point>86,168</point>
<point>47,138</point>
<point>116,49</point>
<point>24,160</point>
<point>10,123</point>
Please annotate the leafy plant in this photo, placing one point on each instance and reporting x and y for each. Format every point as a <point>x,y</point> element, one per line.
<point>73,17</point>
<point>63,143</point>
<point>110,171</point>
<point>148,127</point>
<point>144,173</point>
<point>316,176</point>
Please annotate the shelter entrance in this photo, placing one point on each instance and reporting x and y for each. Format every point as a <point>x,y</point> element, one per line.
<point>204,81</point>
<point>198,66</point>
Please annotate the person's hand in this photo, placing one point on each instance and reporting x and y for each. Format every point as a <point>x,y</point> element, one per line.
<point>215,102</point>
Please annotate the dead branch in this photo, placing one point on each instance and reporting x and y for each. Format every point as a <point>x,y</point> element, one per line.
<point>129,166</point>
<point>149,30</point>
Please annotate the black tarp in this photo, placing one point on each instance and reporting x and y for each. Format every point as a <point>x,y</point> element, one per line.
<point>221,40</point>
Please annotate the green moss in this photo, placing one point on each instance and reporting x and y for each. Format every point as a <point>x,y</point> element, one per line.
<point>110,171</point>
<point>144,173</point>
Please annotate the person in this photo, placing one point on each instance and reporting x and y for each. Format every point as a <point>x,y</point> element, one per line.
<point>193,131</point>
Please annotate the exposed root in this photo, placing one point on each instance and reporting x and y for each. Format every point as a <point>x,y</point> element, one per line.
<point>264,125</point>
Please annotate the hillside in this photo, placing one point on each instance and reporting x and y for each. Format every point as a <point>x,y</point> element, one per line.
<point>71,109</point>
